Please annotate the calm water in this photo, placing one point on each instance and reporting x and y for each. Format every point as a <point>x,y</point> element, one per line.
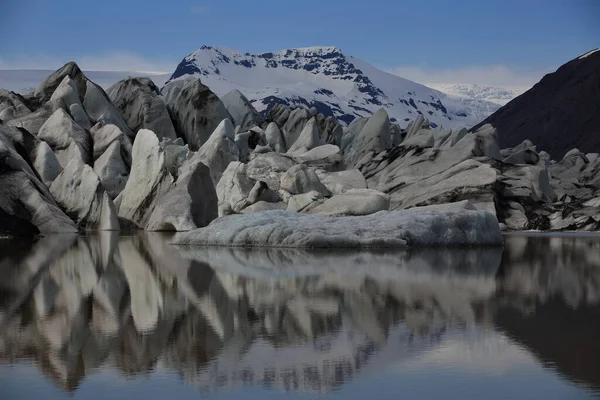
<point>109,317</point>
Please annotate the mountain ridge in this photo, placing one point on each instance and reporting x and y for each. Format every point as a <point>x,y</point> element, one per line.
<point>559,113</point>
<point>326,78</point>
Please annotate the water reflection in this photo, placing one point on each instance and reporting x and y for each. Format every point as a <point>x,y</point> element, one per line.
<point>540,268</point>
<point>288,319</point>
<point>549,296</point>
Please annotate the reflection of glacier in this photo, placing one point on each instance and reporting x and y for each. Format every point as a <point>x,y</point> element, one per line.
<point>290,319</point>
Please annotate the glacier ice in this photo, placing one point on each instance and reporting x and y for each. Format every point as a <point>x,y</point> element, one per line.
<point>382,229</point>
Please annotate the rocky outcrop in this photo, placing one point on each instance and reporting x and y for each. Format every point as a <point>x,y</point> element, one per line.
<point>176,154</point>
<point>66,97</point>
<point>36,152</point>
<point>294,125</point>
<point>342,181</point>
<point>219,150</point>
<point>70,90</point>
<point>112,157</point>
<point>153,199</point>
<point>195,110</point>
<point>233,189</point>
<point>420,166</point>
<point>104,135</point>
<point>264,206</point>
<point>12,106</point>
<point>274,138</point>
<point>148,180</point>
<point>45,163</point>
<point>241,110</point>
<point>33,121</point>
<point>373,138</point>
<point>327,157</point>
<point>330,130</point>
<point>535,193</point>
<point>262,193</point>
<point>78,191</point>
<point>307,140</point>
<point>251,142</point>
<point>26,206</point>
<point>350,133</point>
<point>302,179</point>
<point>142,107</point>
<point>100,109</point>
<point>423,175</point>
<point>112,170</point>
<point>279,114</point>
<point>46,89</point>
<point>304,202</point>
<point>269,167</point>
<point>66,137</point>
<point>525,153</point>
<point>190,203</point>
<point>292,122</point>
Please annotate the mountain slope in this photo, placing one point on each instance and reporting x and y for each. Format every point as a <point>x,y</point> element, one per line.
<point>559,113</point>
<point>324,77</point>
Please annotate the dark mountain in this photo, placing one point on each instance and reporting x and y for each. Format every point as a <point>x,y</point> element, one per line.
<point>559,113</point>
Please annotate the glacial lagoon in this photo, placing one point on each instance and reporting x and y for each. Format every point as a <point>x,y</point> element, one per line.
<point>110,316</point>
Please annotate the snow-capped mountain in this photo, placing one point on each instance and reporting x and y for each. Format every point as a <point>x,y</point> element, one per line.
<point>326,78</point>
<point>494,94</point>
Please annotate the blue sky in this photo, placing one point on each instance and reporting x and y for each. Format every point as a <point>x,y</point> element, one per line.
<point>497,41</point>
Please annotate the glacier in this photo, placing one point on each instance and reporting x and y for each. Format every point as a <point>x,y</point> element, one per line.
<point>470,92</point>
<point>403,228</point>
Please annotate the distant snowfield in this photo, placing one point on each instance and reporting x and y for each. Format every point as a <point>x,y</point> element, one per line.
<point>25,81</point>
<point>494,94</point>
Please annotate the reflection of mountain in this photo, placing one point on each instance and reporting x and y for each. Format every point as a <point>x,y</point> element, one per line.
<point>549,302</point>
<point>539,268</point>
<point>561,338</point>
<point>74,304</point>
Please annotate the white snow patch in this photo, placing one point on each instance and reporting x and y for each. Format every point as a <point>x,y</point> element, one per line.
<point>383,229</point>
<point>589,54</point>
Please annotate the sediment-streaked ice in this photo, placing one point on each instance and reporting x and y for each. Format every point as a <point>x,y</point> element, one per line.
<point>383,229</point>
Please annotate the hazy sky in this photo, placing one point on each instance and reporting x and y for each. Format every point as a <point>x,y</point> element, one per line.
<point>445,41</point>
